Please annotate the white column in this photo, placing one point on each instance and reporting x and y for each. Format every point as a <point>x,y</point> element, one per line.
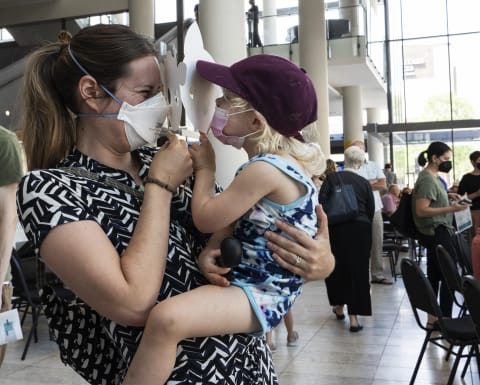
<point>223,28</point>
<point>353,11</point>
<point>379,151</point>
<point>313,57</point>
<point>374,115</point>
<point>142,16</point>
<point>352,115</point>
<point>270,22</point>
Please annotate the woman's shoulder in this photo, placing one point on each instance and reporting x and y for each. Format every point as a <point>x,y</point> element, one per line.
<point>352,177</point>
<point>43,185</point>
<point>468,177</point>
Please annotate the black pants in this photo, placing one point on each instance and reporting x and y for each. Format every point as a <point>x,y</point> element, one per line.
<point>349,282</point>
<point>442,237</point>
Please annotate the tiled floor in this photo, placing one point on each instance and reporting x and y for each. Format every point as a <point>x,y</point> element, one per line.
<point>383,353</point>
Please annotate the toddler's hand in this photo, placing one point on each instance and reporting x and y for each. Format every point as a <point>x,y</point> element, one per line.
<point>209,268</point>
<point>202,154</point>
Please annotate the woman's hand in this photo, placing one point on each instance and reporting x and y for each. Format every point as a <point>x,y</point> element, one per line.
<point>454,197</point>
<point>310,258</point>
<point>202,154</point>
<point>172,164</point>
<point>459,206</point>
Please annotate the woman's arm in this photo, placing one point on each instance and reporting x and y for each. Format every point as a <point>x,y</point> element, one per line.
<point>317,261</point>
<point>124,288</point>
<point>423,209</point>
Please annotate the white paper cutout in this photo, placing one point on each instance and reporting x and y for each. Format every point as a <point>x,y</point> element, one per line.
<point>173,76</point>
<point>198,95</point>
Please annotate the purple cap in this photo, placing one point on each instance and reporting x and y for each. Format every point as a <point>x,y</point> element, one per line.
<point>277,88</point>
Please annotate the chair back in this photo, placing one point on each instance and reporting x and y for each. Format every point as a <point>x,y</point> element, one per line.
<point>450,272</point>
<point>471,292</point>
<point>419,291</point>
<point>464,252</point>
<point>24,284</point>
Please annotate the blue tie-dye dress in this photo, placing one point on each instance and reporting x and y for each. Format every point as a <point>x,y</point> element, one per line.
<point>270,288</point>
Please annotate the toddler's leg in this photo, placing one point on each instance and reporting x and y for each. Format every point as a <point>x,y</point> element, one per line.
<point>206,311</point>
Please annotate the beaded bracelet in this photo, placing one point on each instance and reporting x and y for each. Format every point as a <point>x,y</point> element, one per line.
<point>160,184</point>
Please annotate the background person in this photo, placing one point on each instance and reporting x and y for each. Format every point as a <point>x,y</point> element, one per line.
<point>391,199</point>
<point>12,172</point>
<point>252,19</point>
<point>374,174</point>
<point>433,215</point>
<point>146,239</point>
<point>292,334</point>
<point>470,185</point>
<point>349,282</point>
<point>390,176</point>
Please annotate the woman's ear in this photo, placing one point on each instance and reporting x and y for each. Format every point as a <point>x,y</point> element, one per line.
<point>90,92</point>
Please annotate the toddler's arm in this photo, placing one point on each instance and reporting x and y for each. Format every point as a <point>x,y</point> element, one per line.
<point>212,212</point>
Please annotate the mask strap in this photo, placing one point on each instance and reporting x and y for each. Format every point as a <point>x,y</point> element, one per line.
<point>252,133</point>
<point>240,112</point>
<point>96,115</point>
<point>82,68</point>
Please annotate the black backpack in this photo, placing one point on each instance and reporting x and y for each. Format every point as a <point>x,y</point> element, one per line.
<point>402,218</point>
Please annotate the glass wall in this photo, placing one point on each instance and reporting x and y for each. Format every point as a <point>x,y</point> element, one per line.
<point>407,146</point>
<point>434,81</point>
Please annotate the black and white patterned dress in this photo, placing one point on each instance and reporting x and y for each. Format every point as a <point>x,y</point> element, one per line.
<point>97,348</point>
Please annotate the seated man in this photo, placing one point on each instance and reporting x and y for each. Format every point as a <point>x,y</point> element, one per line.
<point>391,199</point>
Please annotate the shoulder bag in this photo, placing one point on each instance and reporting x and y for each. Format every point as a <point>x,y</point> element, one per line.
<point>340,203</point>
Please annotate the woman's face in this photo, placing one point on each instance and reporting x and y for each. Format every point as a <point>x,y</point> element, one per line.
<point>142,83</point>
<point>446,156</point>
<point>476,163</point>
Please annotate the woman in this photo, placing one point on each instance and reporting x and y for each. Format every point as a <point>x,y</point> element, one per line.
<point>433,215</point>
<point>470,185</point>
<point>349,283</point>
<point>111,218</point>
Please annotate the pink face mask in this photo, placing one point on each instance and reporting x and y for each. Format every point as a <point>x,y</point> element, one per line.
<point>219,121</point>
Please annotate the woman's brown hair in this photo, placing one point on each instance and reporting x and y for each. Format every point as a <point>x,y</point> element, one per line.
<point>49,96</point>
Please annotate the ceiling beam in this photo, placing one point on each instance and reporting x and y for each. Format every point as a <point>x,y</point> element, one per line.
<point>33,11</point>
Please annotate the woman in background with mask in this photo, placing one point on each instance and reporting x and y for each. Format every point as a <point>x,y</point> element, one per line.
<point>470,185</point>
<point>111,217</point>
<point>433,215</point>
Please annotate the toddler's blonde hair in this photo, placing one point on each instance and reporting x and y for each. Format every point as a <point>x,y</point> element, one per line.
<point>309,155</point>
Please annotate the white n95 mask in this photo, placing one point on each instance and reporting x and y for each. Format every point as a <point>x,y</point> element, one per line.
<point>143,122</point>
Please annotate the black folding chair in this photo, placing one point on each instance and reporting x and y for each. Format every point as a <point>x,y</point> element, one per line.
<point>464,253</point>
<point>471,292</point>
<point>25,294</point>
<point>459,332</point>
<point>392,243</point>
<point>452,276</point>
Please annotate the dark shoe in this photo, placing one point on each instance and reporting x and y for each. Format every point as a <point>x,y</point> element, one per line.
<point>383,281</point>
<point>340,317</point>
<point>355,329</point>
